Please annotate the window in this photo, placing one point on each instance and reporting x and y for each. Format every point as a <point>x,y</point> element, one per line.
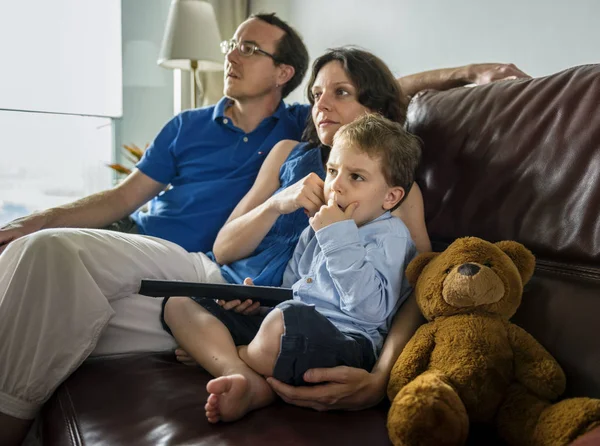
<point>60,87</point>
<point>50,159</point>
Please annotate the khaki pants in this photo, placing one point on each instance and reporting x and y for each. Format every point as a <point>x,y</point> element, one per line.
<point>66,294</point>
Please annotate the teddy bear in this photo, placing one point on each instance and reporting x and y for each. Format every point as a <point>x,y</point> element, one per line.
<point>469,364</point>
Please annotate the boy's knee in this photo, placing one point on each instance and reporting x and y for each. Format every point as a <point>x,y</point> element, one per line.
<point>272,326</point>
<point>263,351</point>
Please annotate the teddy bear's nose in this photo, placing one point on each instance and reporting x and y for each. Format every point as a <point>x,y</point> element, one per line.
<point>468,269</point>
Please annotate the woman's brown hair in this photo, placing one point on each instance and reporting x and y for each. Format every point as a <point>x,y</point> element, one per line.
<point>376,87</point>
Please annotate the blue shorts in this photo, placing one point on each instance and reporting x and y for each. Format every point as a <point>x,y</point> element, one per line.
<point>309,340</point>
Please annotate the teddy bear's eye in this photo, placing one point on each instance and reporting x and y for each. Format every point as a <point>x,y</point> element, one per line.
<point>448,270</point>
<point>487,263</point>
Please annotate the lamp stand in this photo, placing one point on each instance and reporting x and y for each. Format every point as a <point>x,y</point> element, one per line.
<point>193,86</point>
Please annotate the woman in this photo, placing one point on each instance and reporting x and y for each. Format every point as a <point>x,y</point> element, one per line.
<point>345,83</point>
<point>264,228</point>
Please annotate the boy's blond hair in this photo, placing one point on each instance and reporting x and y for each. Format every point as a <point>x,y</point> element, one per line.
<point>397,150</point>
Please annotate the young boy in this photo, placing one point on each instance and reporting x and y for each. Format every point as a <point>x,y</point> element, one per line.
<point>346,274</point>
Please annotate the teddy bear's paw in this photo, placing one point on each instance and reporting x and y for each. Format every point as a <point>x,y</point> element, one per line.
<point>427,412</point>
<point>563,422</point>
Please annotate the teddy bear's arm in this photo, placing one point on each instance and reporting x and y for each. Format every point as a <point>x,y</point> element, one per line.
<point>413,360</point>
<point>535,368</point>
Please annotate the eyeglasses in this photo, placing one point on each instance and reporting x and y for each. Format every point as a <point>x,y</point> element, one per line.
<point>245,48</point>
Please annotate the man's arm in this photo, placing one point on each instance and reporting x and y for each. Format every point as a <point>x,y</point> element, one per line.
<point>446,78</point>
<point>94,211</point>
<point>351,388</point>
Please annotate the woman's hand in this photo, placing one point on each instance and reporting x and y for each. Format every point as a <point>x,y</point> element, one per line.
<point>306,193</point>
<point>343,387</point>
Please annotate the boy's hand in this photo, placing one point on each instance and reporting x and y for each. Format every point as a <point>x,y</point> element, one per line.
<point>246,307</point>
<point>331,213</point>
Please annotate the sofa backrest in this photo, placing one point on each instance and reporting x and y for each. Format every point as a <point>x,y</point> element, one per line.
<point>520,160</point>
<point>515,160</point>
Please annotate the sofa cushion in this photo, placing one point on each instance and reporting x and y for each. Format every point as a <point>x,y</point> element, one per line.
<point>150,399</point>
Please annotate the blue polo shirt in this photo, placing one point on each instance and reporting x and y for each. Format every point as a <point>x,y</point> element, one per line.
<point>210,164</point>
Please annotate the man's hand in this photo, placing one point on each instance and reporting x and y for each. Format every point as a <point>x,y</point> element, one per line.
<point>17,229</point>
<point>345,388</point>
<point>484,73</point>
<point>306,193</point>
<point>331,213</point>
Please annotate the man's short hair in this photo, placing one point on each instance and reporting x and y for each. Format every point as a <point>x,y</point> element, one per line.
<point>397,150</point>
<point>290,51</point>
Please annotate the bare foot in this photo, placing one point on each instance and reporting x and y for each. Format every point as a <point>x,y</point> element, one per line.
<point>233,396</point>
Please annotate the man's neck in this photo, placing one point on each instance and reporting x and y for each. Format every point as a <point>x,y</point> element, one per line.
<point>248,114</point>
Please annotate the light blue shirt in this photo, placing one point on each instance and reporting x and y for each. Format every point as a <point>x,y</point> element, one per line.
<point>354,276</point>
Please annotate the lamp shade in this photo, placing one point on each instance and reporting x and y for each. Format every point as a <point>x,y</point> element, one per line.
<point>191,33</point>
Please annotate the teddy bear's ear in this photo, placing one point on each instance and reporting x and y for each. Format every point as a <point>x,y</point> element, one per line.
<point>521,257</point>
<point>415,267</point>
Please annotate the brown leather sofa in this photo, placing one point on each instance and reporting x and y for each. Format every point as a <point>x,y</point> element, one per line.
<point>513,160</point>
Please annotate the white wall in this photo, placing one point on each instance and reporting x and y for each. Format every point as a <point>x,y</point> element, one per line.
<point>539,36</point>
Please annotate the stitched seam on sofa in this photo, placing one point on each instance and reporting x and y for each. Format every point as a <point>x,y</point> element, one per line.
<point>568,266</point>
<point>577,273</point>
<point>70,417</point>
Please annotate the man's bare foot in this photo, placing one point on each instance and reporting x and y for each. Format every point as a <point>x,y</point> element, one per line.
<point>233,396</point>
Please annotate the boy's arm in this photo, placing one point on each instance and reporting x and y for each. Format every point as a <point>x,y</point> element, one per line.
<point>446,78</point>
<point>291,275</point>
<point>367,278</point>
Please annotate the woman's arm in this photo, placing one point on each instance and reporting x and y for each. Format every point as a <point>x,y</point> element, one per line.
<point>446,78</point>
<point>412,213</point>
<point>256,213</point>
<point>350,388</point>
<point>251,219</point>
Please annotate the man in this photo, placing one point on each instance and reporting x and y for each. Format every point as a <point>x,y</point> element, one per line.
<point>210,157</point>
<point>66,294</point>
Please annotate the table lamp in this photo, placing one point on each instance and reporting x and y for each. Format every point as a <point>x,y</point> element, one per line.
<point>191,41</point>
